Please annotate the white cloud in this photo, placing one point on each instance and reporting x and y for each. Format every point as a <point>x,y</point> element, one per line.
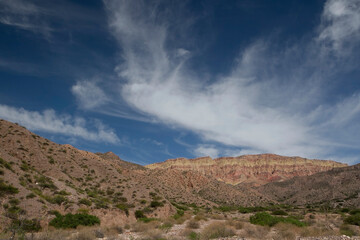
<point>271,101</point>
<point>48,121</point>
<point>89,95</point>
<point>206,150</point>
<point>340,26</point>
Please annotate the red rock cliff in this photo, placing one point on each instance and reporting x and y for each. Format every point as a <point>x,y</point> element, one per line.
<point>253,169</point>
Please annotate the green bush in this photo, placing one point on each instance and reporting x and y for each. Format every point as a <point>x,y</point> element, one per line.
<point>73,220</point>
<point>30,195</point>
<point>265,219</point>
<point>354,211</point>
<point>26,225</point>
<point>139,214</point>
<point>123,207</point>
<point>146,220</point>
<point>6,189</point>
<point>57,199</point>
<point>227,208</point>
<point>346,230</point>
<point>279,212</point>
<point>353,219</point>
<point>45,182</point>
<point>85,201</point>
<point>6,164</point>
<point>194,236</point>
<point>155,204</point>
<point>179,213</point>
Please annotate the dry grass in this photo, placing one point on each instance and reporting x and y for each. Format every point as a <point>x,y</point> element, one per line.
<point>254,231</point>
<point>286,231</point>
<point>217,216</point>
<point>200,216</point>
<point>153,234</point>
<point>193,224</point>
<point>54,235</point>
<point>182,219</point>
<point>216,230</point>
<point>144,227</point>
<point>316,231</point>
<point>235,223</point>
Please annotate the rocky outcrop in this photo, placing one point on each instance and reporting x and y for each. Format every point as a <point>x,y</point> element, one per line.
<point>251,169</point>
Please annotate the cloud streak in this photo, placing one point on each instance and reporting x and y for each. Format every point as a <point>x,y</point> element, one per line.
<point>50,122</point>
<point>24,15</point>
<point>273,100</point>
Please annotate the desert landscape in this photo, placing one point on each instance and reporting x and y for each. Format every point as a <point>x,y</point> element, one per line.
<point>180,120</point>
<point>52,191</point>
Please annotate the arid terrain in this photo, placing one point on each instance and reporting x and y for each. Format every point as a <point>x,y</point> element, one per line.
<point>262,196</point>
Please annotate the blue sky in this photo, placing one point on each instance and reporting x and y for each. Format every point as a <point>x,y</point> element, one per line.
<point>153,80</point>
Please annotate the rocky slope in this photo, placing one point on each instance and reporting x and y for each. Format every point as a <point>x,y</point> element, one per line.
<point>250,169</point>
<point>49,176</point>
<point>336,187</point>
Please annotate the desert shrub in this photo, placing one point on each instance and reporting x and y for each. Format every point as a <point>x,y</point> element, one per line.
<point>179,213</point>
<point>6,189</point>
<point>353,219</point>
<point>216,230</point>
<point>73,220</point>
<point>30,195</point>
<point>346,230</point>
<point>123,207</point>
<point>179,206</point>
<point>279,212</point>
<point>99,233</point>
<point>227,208</point>
<point>251,209</point>
<point>25,167</point>
<point>141,226</point>
<point>26,225</point>
<point>265,219</point>
<point>192,224</point>
<point>146,219</point>
<point>286,231</point>
<point>45,182</point>
<point>354,211</point>
<point>57,199</point>
<point>166,226</point>
<point>235,223</point>
<point>200,216</point>
<point>5,164</point>
<point>139,214</point>
<point>255,231</point>
<point>193,236</point>
<point>155,204</point>
<point>85,201</point>
<point>14,201</point>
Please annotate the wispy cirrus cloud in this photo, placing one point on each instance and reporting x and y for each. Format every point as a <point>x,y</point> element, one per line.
<point>274,99</point>
<point>24,15</point>
<point>50,122</point>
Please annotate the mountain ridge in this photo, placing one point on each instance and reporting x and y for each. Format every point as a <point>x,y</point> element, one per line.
<point>254,169</point>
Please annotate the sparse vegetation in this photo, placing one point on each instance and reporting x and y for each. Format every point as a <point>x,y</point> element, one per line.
<point>216,230</point>
<point>265,219</point>
<point>353,219</point>
<point>6,189</point>
<point>73,220</point>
